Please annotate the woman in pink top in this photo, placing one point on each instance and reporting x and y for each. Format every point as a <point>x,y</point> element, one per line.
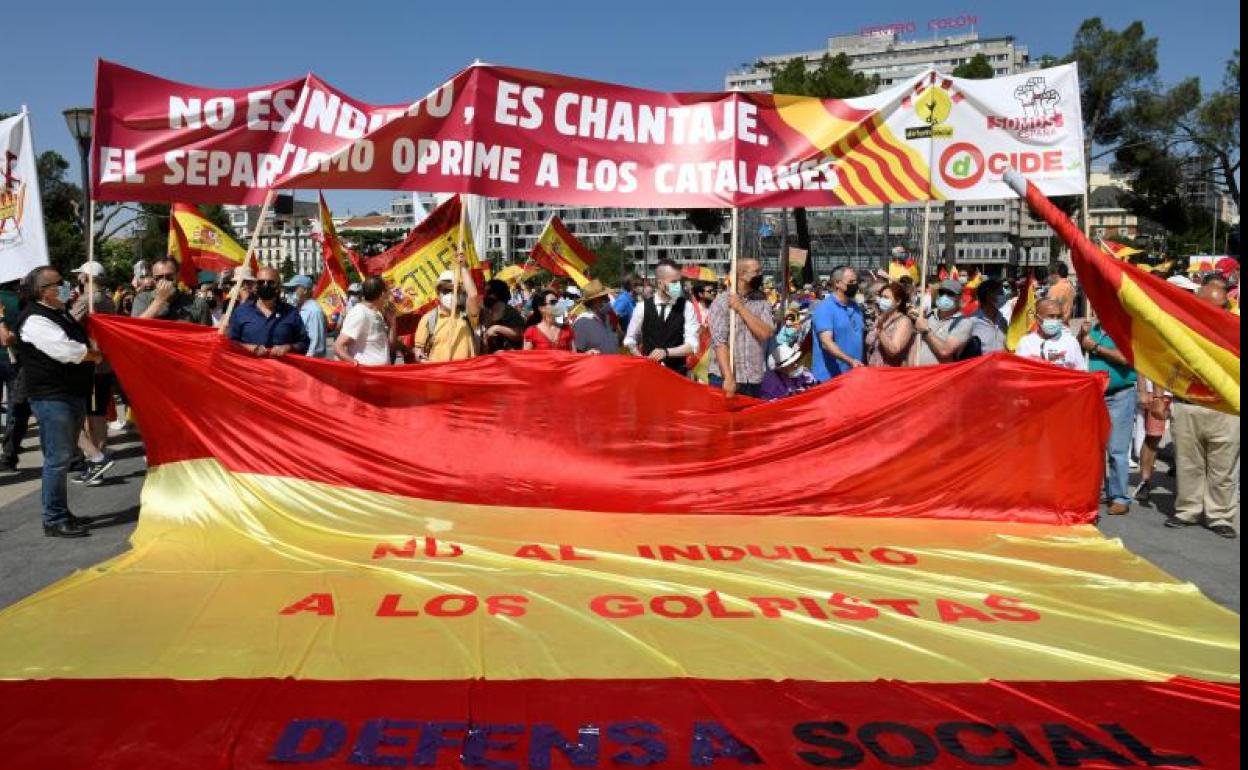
<point>890,339</point>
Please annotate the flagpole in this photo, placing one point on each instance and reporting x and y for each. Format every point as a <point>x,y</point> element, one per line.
<point>91,257</point>
<point>927,220</point>
<point>251,250</point>
<point>786,269</point>
<point>463,220</point>
<point>732,286</point>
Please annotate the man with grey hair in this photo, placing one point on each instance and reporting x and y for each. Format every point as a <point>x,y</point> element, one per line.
<point>839,327</point>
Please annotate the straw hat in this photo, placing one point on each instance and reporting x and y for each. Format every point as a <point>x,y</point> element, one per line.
<point>593,290</point>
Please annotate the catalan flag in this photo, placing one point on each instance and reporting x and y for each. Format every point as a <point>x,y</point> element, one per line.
<point>199,244</point>
<point>411,268</point>
<point>560,252</point>
<point>375,591</point>
<point>1170,336</point>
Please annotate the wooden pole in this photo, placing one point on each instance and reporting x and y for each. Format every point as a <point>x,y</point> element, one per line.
<point>90,257</point>
<point>786,270</point>
<point>459,249</point>
<point>732,286</point>
<point>251,249</point>
<point>927,220</point>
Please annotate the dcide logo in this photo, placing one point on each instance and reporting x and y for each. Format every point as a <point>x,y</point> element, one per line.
<point>961,165</point>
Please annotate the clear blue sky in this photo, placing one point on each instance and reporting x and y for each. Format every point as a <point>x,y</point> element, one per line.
<point>389,52</point>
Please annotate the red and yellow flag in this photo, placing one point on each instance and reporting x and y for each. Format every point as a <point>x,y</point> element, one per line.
<point>1024,316</point>
<point>515,274</point>
<point>411,268</point>
<point>697,273</point>
<point>199,244</point>
<point>897,269</point>
<point>384,592</point>
<point>562,253</point>
<point>1119,250</point>
<point>330,291</point>
<point>1169,335</point>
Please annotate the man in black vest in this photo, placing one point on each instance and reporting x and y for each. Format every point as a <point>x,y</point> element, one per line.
<point>665,327</point>
<point>59,366</point>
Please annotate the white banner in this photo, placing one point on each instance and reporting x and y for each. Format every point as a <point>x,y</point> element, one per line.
<point>23,245</point>
<point>971,132</point>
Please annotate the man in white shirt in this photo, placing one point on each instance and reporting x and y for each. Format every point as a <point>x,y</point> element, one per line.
<point>60,371</point>
<point>365,335</point>
<point>665,327</point>
<point>1053,342</point>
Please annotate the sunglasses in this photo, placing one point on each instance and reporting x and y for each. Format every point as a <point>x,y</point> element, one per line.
<point>551,303</point>
<point>265,283</point>
<point>165,276</point>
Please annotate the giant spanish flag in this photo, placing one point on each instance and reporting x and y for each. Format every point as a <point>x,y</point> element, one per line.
<point>562,253</point>
<point>411,267</point>
<point>199,244</point>
<point>635,572</point>
<point>1170,336</point>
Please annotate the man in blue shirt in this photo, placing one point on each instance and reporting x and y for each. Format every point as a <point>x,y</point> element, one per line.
<point>268,327</point>
<point>1120,398</point>
<point>310,313</point>
<point>624,303</point>
<point>839,328</point>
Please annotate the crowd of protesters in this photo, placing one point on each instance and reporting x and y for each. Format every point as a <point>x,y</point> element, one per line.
<point>778,349</point>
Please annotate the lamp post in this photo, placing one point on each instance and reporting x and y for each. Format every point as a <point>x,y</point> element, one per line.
<point>645,225</point>
<point>79,121</point>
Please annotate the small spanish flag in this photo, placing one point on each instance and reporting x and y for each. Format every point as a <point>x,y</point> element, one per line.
<point>897,269</point>
<point>1024,315</point>
<point>1173,338</point>
<point>1119,250</point>
<point>330,291</point>
<point>561,253</point>
<point>198,244</point>
<point>696,273</point>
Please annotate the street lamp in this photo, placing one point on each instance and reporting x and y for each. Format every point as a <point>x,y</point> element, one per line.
<point>79,121</point>
<point>645,226</point>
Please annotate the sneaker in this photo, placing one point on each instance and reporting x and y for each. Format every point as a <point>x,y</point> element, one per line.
<point>1119,509</point>
<point>1224,530</point>
<point>81,476</point>
<point>1133,464</point>
<point>93,476</point>
<point>1143,493</point>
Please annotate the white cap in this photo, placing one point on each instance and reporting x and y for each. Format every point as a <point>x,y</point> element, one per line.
<point>92,268</point>
<point>1183,282</point>
<point>446,276</point>
<point>787,356</point>
<point>575,292</point>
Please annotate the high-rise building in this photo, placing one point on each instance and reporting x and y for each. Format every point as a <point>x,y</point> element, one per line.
<point>972,233</point>
<point>285,234</point>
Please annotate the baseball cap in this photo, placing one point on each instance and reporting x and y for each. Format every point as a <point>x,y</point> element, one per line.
<point>299,282</point>
<point>951,286</point>
<point>1183,282</point>
<point>446,276</point>
<point>92,268</point>
<point>354,288</point>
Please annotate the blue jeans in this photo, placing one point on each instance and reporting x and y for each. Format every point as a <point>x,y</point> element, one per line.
<point>744,388</point>
<point>1121,406</point>
<point>59,425</point>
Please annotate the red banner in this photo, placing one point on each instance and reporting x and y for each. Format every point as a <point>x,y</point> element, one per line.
<point>534,136</point>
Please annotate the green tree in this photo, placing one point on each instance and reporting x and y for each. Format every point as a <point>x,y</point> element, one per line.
<point>62,225</point>
<point>833,78</point>
<point>612,263</point>
<point>978,68</point>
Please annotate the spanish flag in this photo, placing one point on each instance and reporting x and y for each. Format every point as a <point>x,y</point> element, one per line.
<point>560,252</point>
<point>1170,336</point>
<point>331,288</point>
<point>411,268</point>
<point>514,562</point>
<point>701,274</point>
<point>515,274</point>
<point>1024,316</point>
<point>897,269</point>
<point>198,244</point>
<point>1119,250</point>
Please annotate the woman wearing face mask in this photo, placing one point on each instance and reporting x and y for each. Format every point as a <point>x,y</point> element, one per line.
<point>502,325</point>
<point>892,335</point>
<point>547,333</point>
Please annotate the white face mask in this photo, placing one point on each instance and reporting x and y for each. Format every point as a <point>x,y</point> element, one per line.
<point>447,300</point>
<point>885,304</point>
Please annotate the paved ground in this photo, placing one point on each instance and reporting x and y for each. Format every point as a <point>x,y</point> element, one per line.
<point>29,561</point>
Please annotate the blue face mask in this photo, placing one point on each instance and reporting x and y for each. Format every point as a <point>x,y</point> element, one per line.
<point>1052,327</point>
<point>786,336</point>
<point>674,290</point>
<point>946,303</point>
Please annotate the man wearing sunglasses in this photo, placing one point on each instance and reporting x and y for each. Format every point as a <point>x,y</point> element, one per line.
<point>166,301</point>
<point>59,366</point>
<point>270,326</point>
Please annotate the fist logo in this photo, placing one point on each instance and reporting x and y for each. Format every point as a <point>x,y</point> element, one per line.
<point>1037,100</point>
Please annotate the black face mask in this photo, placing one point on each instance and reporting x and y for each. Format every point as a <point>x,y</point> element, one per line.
<point>266,291</point>
<point>851,289</point>
<point>756,283</point>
